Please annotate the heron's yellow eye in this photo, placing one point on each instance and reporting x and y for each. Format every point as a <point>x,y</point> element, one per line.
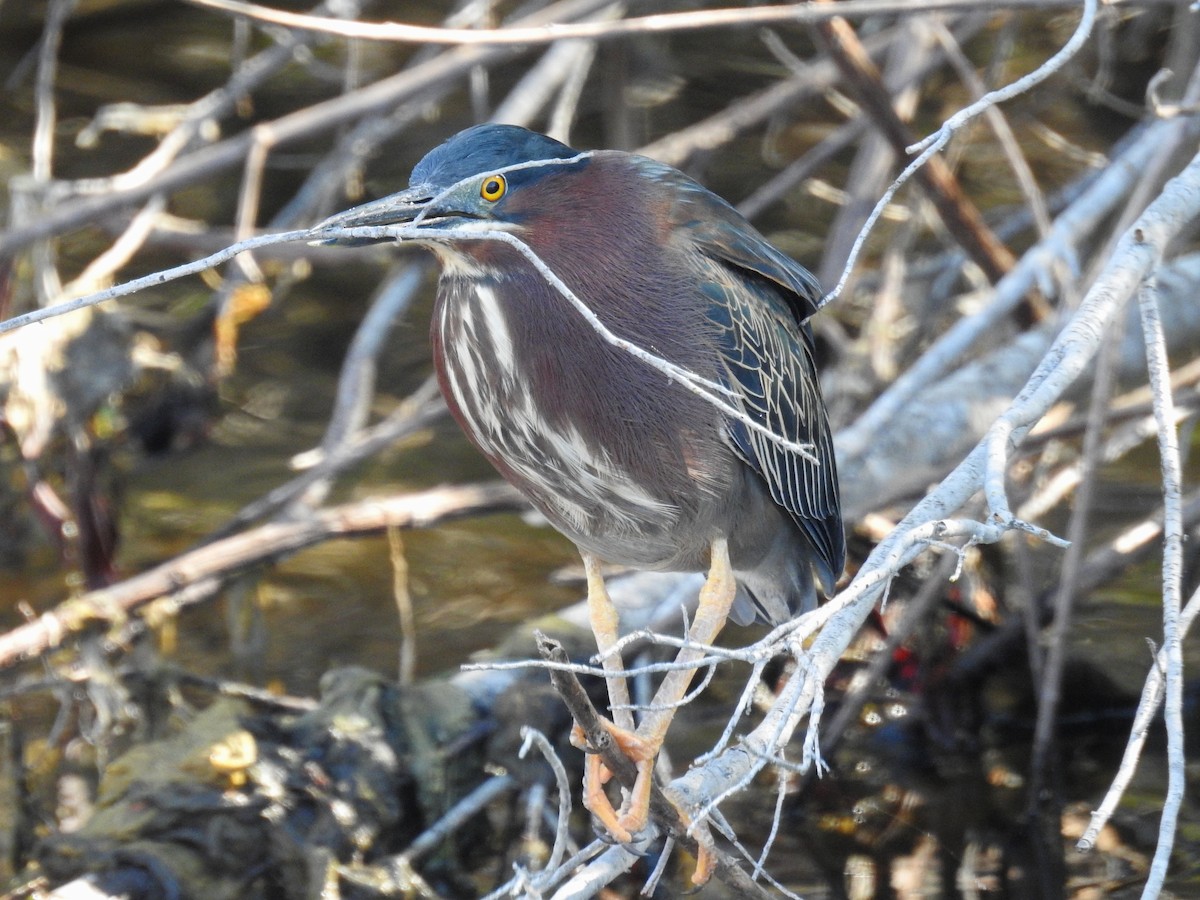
<point>493,188</point>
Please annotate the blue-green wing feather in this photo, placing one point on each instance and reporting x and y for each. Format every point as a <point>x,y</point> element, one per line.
<point>760,300</point>
<point>771,368</point>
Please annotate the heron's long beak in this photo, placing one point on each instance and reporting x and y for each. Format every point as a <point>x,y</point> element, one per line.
<point>402,208</point>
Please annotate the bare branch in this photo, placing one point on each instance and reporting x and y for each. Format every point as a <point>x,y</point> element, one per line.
<point>738,17</point>
<point>1172,577</point>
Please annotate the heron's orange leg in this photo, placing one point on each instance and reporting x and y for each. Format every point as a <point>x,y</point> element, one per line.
<point>606,627</point>
<point>716,599</point>
<point>642,746</point>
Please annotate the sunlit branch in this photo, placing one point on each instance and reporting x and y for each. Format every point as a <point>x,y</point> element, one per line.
<point>655,24</point>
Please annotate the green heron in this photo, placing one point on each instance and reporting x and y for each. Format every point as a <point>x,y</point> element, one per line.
<point>624,458</point>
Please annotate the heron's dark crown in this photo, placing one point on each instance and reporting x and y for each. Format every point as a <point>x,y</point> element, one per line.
<point>482,149</point>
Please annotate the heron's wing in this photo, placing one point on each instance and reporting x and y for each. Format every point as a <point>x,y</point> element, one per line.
<point>759,299</point>
<point>770,366</point>
<point>721,232</point>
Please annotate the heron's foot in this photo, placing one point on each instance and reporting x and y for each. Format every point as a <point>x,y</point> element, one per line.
<point>706,864</point>
<point>706,856</point>
<point>635,812</point>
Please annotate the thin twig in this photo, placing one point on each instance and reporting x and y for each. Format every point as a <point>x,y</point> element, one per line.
<point>1159,369</point>
<point>663,23</point>
<point>356,380</point>
<point>407,668</point>
<point>152,280</point>
<point>461,813</point>
<point>42,151</point>
<point>962,218</point>
<point>562,834</point>
<point>100,270</point>
<point>1035,200</point>
<point>1147,711</point>
<point>936,141</point>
